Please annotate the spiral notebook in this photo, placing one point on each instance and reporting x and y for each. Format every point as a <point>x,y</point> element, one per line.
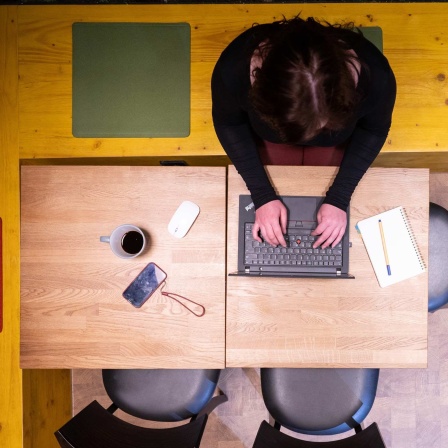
<point>391,246</point>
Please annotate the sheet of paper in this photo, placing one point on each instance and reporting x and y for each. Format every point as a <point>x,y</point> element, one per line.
<point>404,256</point>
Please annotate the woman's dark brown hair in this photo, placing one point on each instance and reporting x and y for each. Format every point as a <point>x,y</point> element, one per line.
<point>305,84</point>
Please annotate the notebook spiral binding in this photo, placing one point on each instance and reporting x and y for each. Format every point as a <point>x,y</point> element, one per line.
<point>412,236</point>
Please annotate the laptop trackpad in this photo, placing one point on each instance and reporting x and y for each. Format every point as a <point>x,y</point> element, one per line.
<point>306,211</point>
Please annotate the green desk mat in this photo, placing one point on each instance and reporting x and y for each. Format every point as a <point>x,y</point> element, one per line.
<point>374,34</point>
<point>131,80</point>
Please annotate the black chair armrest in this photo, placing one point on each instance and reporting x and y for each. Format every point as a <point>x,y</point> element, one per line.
<point>213,403</point>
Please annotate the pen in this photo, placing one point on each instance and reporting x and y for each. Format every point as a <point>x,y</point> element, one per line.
<point>384,247</point>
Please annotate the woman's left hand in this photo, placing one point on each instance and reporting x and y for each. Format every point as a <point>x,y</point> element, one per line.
<point>331,224</point>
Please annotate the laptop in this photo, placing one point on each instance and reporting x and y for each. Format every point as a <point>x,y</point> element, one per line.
<point>298,259</point>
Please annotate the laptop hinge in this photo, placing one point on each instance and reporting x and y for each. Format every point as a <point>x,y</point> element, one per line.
<point>338,271</point>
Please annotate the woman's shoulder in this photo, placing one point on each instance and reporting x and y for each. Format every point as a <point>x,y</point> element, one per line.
<point>233,65</point>
<point>243,45</point>
<point>377,77</point>
<point>372,57</point>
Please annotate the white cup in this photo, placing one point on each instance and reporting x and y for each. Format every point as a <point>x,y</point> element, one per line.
<point>126,241</point>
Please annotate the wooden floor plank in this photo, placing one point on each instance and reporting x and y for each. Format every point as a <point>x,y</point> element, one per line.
<point>46,406</point>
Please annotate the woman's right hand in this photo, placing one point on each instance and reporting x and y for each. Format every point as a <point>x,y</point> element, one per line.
<point>270,223</point>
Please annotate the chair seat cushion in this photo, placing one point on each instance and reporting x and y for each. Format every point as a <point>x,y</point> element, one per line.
<point>438,257</point>
<point>319,401</point>
<point>161,395</point>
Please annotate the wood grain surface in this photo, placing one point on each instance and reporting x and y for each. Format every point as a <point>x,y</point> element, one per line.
<point>418,135</point>
<point>411,405</point>
<point>415,42</point>
<point>72,312</point>
<point>47,404</point>
<point>10,374</point>
<point>283,322</point>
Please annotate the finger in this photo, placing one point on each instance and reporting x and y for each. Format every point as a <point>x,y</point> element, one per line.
<point>339,237</point>
<point>276,234</point>
<point>318,242</point>
<point>327,242</point>
<point>255,230</point>
<point>283,220</point>
<point>279,236</point>
<point>322,238</point>
<point>319,229</point>
<point>330,238</point>
<point>270,237</point>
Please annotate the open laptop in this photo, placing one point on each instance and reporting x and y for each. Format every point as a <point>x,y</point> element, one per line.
<point>298,259</point>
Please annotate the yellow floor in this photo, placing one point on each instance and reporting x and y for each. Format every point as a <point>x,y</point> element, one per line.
<point>36,125</point>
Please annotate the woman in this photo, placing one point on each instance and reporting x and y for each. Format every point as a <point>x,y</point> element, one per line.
<point>316,87</point>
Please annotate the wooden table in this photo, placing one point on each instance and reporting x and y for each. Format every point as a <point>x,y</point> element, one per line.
<point>414,37</point>
<point>282,322</point>
<point>72,312</point>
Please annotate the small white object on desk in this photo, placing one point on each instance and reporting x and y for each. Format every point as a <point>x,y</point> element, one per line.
<point>183,219</point>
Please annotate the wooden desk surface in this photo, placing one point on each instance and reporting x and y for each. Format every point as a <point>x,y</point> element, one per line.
<point>418,54</point>
<point>286,322</point>
<point>415,43</point>
<point>72,312</point>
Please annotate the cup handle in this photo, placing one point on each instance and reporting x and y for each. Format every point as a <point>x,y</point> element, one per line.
<point>105,239</point>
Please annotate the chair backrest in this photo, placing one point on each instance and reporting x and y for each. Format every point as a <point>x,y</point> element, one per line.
<point>438,250</point>
<point>167,395</point>
<point>95,427</point>
<point>269,437</point>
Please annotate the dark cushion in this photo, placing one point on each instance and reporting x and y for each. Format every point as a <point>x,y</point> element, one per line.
<point>161,395</point>
<point>438,257</point>
<point>316,400</point>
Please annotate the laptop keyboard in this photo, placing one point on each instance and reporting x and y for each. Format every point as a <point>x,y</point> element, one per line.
<point>299,250</point>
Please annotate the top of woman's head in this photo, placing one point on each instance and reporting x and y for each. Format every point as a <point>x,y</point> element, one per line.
<point>305,83</point>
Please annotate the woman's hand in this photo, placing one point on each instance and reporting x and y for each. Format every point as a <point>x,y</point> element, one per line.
<point>331,224</point>
<point>270,222</point>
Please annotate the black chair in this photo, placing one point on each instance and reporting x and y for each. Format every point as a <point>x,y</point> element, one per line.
<point>318,402</point>
<point>156,395</point>
<point>269,437</point>
<point>438,257</point>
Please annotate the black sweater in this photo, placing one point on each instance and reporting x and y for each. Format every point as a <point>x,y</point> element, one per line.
<point>236,122</point>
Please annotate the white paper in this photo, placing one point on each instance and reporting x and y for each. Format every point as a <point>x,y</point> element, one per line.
<point>404,256</point>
